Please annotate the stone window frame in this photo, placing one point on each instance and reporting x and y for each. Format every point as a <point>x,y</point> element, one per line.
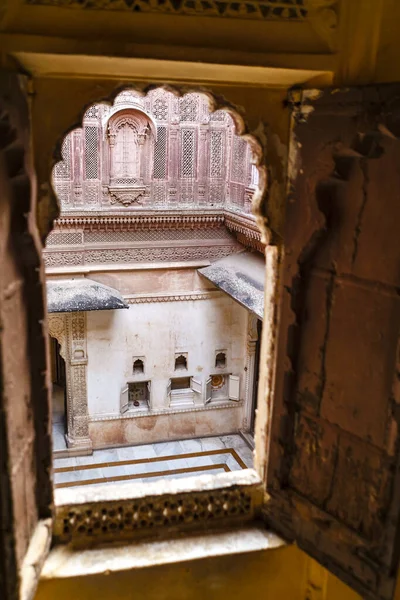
<point>226,500</point>
<point>236,499</point>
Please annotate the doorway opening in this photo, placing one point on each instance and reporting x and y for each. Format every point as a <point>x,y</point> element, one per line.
<point>59,397</point>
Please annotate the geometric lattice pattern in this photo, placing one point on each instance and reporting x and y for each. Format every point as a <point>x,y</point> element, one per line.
<point>216,153</point>
<point>160,109</point>
<point>152,513</point>
<point>153,235</point>
<point>219,116</point>
<point>61,238</point>
<point>91,152</point>
<point>188,148</point>
<point>63,168</point>
<point>189,108</point>
<point>160,154</point>
<point>92,112</point>
<point>238,164</point>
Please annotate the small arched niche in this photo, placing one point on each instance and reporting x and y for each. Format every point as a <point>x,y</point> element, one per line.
<point>138,366</point>
<point>220,360</point>
<point>181,362</point>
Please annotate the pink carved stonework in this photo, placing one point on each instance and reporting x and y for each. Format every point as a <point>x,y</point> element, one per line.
<point>154,152</point>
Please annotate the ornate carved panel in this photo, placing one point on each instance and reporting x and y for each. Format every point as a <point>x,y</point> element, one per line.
<point>119,163</point>
<point>75,355</point>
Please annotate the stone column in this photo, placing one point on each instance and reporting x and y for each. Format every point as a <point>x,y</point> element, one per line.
<point>70,332</point>
<point>77,406</point>
<point>173,166</point>
<point>202,197</point>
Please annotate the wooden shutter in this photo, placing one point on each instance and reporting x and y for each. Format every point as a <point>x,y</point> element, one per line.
<point>169,387</point>
<point>124,399</point>
<point>233,387</point>
<point>196,385</point>
<point>208,391</point>
<point>149,392</point>
<point>333,464</point>
<point>25,440</point>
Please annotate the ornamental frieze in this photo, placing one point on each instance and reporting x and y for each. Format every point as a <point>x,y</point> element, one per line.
<point>261,10</point>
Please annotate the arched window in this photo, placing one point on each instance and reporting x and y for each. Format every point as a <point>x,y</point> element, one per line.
<point>125,161</point>
<point>130,139</point>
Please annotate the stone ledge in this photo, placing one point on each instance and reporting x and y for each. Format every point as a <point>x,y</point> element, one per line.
<point>151,413</point>
<point>67,562</point>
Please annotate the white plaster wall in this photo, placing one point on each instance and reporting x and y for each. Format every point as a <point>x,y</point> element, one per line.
<point>157,331</point>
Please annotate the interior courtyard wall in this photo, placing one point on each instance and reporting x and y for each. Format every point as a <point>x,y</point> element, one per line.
<point>157,332</point>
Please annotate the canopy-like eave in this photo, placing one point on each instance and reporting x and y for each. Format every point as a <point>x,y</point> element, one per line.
<point>78,295</point>
<point>241,276</point>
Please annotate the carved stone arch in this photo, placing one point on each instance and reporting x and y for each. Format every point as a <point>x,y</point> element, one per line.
<point>133,116</point>
<point>57,330</point>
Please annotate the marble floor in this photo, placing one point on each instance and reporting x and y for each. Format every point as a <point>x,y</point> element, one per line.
<point>152,462</point>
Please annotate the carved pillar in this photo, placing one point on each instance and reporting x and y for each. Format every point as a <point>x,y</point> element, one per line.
<point>77,405</point>
<point>77,166</point>
<point>252,337</point>
<point>70,332</point>
<point>202,166</point>
<point>173,165</point>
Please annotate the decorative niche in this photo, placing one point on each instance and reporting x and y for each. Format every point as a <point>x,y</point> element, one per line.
<point>220,359</point>
<point>181,361</point>
<point>138,365</point>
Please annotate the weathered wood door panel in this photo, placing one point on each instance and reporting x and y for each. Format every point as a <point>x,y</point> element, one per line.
<point>333,470</point>
<point>25,443</point>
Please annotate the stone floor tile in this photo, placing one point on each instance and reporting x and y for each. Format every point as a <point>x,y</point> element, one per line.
<point>114,471</point>
<point>212,443</point>
<point>65,462</point>
<point>190,446</point>
<point>102,456</point>
<point>168,449</point>
<point>136,452</point>
<point>233,464</point>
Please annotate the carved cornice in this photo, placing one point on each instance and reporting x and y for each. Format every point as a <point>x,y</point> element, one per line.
<point>242,223</point>
<point>245,229</point>
<point>145,298</point>
<point>260,10</point>
<point>143,221</point>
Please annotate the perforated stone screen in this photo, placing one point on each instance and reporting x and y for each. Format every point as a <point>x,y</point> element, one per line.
<point>180,155</point>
